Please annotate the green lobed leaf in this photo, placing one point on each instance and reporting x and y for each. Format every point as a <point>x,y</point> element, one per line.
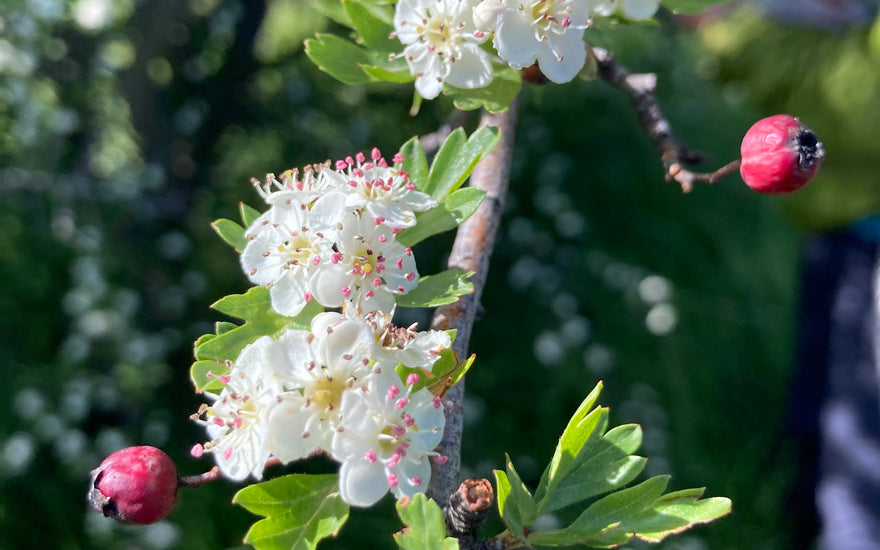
<point>301,510</point>
<point>449,214</point>
<point>556,464</point>
<point>255,308</point>
<point>425,528</point>
<point>248,214</point>
<point>495,98</point>
<point>231,233</point>
<point>605,514</point>
<point>439,289</point>
<point>339,58</point>
<point>670,514</point>
<point>515,502</point>
<point>373,23</point>
<point>457,157</point>
<point>414,163</point>
<point>606,466</point>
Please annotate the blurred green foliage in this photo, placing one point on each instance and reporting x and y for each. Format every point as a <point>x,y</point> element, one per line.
<point>127,127</point>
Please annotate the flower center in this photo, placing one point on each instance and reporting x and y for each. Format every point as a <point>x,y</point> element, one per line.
<point>327,393</point>
<point>549,16</point>
<point>298,249</point>
<point>437,33</point>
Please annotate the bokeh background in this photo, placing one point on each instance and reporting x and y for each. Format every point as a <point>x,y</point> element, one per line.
<point>127,126</point>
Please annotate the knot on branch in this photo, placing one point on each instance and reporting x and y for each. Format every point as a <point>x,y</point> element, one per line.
<point>467,510</point>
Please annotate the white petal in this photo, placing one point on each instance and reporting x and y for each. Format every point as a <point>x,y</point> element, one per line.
<point>288,293</point>
<point>362,483</point>
<point>429,85</point>
<point>409,472</point>
<point>260,268</point>
<point>472,69</point>
<point>573,52</point>
<point>515,40</point>
<point>288,423</point>
<point>327,282</point>
<point>604,7</point>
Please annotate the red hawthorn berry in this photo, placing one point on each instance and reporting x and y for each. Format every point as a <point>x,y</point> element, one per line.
<point>779,155</point>
<point>135,485</point>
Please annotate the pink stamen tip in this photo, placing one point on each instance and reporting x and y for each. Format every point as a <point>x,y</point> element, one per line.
<point>382,238</point>
<point>225,378</point>
<point>378,220</point>
<point>566,22</point>
<point>197,450</point>
<point>408,420</point>
<point>440,460</point>
<point>392,462</point>
<point>412,379</point>
<point>307,296</point>
<point>392,480</point>
<point>377,281</point>
<point>336,257</point>
<point>399,263</point>
<point>360,157</point>
<point>408,251</point>
<point>371,456</point>
<point>369,294</point>
<point>349,161</point>
<point>479,34</point>
<point>375,154</point>
<point>346,291</point>
<point>409,187</point>
<point>382,162</point>
<point>411,276</point>
<point>392,392</point>
<point>352,183</point>
<point>400,289</point>
<point>396,230</point>
<point>398,158</point>
<point>218,421</point>
<point>341,165</point>
<point>431,48</point>
<point>401,403</point>
<point>316,260</point>
<point>227,453</point>
<point>238,422</point>
<point>437,402</point>
<point>416,480</point>
<point>397,431</point>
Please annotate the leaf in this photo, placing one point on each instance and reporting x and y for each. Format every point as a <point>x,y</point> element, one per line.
<point>449,214</point>
<point>231,233</point>
<point>373,28</point>
<point>436,290</point>
<point>339,58</point>
<point>569,451</point>
<point>414,163</point>
<point>425,528</point>
<point>605,514</point>
<point>515,502</point>
<point>255,308</point>
<point>456,159</point>
<point>204,374</point>
<point>333,9</point>
<point>381,73</point>
<point>690,7</point>
<point>670,514</point>
<point>607,466</point>
<point>248,214</point>
<point>301,510</point>
<point>495,98</point>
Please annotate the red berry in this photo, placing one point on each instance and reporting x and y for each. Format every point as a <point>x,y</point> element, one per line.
<point>779,155</point>
<point>135,485</point>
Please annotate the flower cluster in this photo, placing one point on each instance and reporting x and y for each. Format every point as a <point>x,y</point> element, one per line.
<point>330,235</point>
<point>442,37</point>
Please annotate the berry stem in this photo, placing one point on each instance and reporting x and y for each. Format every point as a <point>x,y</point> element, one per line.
<point>640,88</point>
<point>212,475</point>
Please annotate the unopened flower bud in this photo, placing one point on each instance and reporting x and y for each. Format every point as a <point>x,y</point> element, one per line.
<point>486,14</point>
<point>135,485</point>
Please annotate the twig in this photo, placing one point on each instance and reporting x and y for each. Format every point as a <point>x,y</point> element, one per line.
<point>471,251</point>
<point>641,88</point>
<point>431,142</point>
<point>213,475</point>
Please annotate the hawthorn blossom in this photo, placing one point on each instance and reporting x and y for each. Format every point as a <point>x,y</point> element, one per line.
<point>290,186</point>
<point>547,31</point>
<point>289,244</point>
<point>631,9</point>
<point>321,366</point>
<point>383,191</point>
<point>368,268</point>
<point>385,438</point>
<point>442,44</point>
<point>237,421</point>
<point>404,345</point>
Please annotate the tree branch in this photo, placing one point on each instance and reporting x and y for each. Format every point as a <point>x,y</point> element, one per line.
<point>471,251</point>
<point>641,88</point>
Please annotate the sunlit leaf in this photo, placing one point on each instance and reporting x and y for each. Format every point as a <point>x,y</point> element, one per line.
<point>457,157</point>
<point>425,528</point>
<point>458,206</point>
<point>495,98</point>
<point>439,289</point>
<point>301,510</point>
<point>248,214</point>
<point>231,233</point>
<point>515,502</point>
<point>374,29</point>
<point>415,164</point>
<point>339,58</point>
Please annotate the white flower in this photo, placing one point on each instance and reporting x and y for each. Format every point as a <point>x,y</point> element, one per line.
<point>442,44</point>
<point>385,439</point>
<point>631,9</point>
<point>237,421</point>
<point>398,345</point>
<point>384,192</point>
<point>486,14</point>
<point>288,245</point>
<point>288,186</point>
<point>321,366</point>
<point>368,268</point>
<point>547,31</point>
